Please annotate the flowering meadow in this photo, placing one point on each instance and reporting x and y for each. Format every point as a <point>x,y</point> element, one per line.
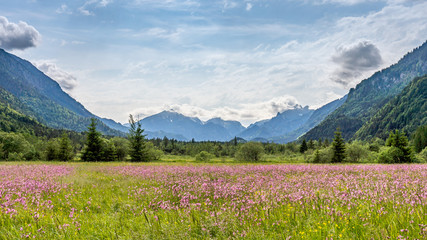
<point>213,201</point>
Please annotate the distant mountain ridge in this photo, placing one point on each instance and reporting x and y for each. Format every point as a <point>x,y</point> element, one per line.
<point>285,127</point>
<point>189,127</point>
<point>281,124</point>
<point>370,95</point>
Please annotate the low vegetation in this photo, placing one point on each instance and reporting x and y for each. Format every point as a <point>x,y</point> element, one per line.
<point>204,201</point>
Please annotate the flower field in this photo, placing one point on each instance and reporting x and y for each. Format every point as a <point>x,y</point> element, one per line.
<point>213,201</point>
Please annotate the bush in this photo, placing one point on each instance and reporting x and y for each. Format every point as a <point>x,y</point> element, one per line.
<point>14,156</point>
<point>356,151</point>
<point>153,153</point>
<point>392,155</point>
<point>204,156</point>
<point>251,152</point>
<point>323,156</point>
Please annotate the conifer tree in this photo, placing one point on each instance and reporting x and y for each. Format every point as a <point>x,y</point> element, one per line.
<point>65,152</point>
<point>310,144</point>
<point>93,149</point>
<point>138,148</point>
<point>338,146</point>
<point>398,140</point>
<point>420,138</point>
<point>303,148</point>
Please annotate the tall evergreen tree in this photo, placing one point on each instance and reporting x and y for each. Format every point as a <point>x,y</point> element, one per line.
<point>65,152</point>
<point>138,147</point>
<point>303,148</point>
<point>93,149</point>
<point>420,138</point>
<point>398,140</point>
<point>338,145</point>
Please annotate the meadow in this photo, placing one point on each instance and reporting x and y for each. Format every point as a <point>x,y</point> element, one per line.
<point>212,201</point>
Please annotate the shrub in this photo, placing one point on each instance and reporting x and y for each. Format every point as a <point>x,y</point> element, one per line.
<point>204,156</point>
<point>356,151</point>
<point>323,156</point>
<point>251,152</point>
<point>392,155</point>
<point>14,156</point>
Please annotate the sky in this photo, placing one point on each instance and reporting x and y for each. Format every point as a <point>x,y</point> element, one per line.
<point>242,60</point>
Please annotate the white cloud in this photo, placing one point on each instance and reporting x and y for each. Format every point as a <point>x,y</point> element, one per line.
<point>249,6</point>
<point>63,9</point>
<point>172,35</point>
<point>67,81</point>
<point>93,4</point>
<point>167,4</point>
<point>17,35</point>
<point>229,4</point>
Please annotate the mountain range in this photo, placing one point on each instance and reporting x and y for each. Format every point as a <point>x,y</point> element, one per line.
<point>394,97</point>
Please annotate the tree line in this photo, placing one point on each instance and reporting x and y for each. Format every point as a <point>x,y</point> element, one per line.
<point>91,146</point>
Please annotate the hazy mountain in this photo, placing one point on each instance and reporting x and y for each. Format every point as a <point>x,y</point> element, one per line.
<point>282,124</point>
<point>173,123</point>
<point>369,96</point>
<point>407,111</point>
<point>44,98</point>
<point>317,117</point>
<point>284,127</point>
<point>233,127</point>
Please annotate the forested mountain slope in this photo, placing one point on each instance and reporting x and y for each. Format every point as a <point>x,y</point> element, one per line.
<point>43,98</point>
<point>371,95</point>
<point>407,111</point>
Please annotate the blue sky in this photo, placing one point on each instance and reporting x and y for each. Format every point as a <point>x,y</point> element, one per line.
<point>240,60</point>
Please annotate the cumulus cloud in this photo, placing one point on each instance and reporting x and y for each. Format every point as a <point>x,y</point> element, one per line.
<point>17,35</point>
<point>67,81</point>
<point>353,61</point>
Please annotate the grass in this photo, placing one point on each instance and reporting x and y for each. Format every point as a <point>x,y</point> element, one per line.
<point>181,200</point>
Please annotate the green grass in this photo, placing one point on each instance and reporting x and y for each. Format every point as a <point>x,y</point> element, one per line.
<point>106,209</point>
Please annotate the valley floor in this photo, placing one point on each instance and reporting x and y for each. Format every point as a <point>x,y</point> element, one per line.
<point>212,201</point>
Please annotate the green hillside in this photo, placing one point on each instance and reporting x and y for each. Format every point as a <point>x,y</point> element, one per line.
<point>406,111</point>
<point>371,95</point>
<point>14,118</point>
<point>42,98</point>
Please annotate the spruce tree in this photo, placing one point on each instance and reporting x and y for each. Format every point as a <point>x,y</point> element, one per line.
<point>338,146</point>
<point>310,144</point>
<point>303,148</point>
<point>93,149</point>
<point>138,148</point>
<point>420,138</point>
<point>65,152</point>
<point>398,140</point>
